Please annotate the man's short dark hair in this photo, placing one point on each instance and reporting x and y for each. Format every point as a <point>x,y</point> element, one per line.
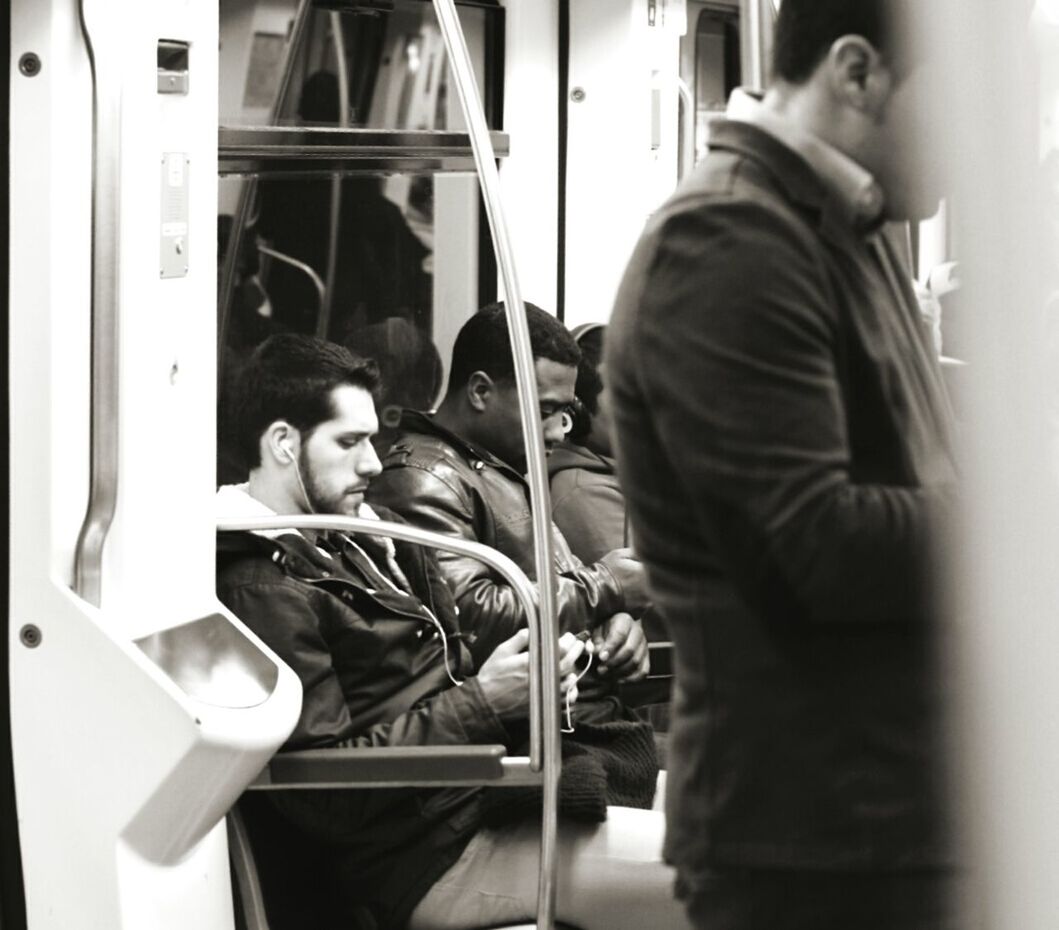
<point>589,383</point>
<point>290,377</point>
<point>806,30</point>
<point>483,345</point>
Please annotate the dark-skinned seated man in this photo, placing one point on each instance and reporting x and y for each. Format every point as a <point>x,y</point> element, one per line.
<point>461,472</point>
<point>371,631</point>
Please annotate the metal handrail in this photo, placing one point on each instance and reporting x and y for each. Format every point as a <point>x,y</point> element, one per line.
<point>500,563</point>
<point>525,378</point>
<point>757,17</point>
<point>304,267</point>
<point>106,317</point>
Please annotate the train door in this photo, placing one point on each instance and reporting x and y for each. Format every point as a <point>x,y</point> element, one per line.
<point>644,80</point>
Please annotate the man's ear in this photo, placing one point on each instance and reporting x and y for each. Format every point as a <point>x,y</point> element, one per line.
<point>280,443</point>
<point>858,75</point>
<point>480,388</point>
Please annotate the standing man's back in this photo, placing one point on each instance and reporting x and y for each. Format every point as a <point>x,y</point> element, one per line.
<point>784,438</point>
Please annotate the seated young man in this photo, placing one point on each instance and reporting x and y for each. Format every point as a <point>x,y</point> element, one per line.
<point>370,629</point>
<point>461,472</point>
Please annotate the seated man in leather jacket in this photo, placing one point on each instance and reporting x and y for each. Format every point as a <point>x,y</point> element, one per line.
<point>461,471</point>
<point>370,629</point>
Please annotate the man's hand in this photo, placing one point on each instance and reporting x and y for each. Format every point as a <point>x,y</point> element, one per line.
<point>629,573</point>
<point>622,648</point>
<point>504,678</point>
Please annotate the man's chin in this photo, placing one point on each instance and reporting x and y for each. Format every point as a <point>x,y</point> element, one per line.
<point>351,505</point>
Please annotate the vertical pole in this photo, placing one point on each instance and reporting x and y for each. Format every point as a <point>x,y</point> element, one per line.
<point>755,19</point>
<point>544,697</point>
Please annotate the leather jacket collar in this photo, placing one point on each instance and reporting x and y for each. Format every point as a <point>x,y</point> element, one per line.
<point>413,421</point>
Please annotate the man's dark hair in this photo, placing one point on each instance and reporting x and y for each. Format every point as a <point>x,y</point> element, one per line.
<point>589,383</point>
<point>290,377</point>
<point>483,345</point>
<point>806,30</point>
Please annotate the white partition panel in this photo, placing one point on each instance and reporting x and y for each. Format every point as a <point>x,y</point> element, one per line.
<point>133,728</point>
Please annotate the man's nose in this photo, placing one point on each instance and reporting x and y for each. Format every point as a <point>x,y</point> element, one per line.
<point>553,430</point>
<point>368,465</point>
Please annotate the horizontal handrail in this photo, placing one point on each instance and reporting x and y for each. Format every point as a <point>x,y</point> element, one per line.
<point>283,142</point>
<point>394,767</point>
<point>497,561</point>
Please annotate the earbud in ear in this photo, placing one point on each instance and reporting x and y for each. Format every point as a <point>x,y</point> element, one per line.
<point>285,446</point>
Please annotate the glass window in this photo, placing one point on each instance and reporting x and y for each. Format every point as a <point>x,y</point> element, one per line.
<point>357,67</point>
<point>348,205</point>
<point>710,64</point>
<point>389,264</point>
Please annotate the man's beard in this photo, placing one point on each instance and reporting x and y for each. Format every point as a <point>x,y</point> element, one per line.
<point>318,498</point>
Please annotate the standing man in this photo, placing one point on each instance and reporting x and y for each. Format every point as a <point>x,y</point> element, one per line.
<point>784,442</point>
<point>461,472</point>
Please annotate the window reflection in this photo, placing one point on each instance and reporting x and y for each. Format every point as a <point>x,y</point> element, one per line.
<point>386,255</point>
<point>393,64</point>
<point>710,63</point>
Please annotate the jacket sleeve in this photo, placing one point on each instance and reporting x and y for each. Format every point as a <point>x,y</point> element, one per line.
<point>489,610</point>
<point>748,405</point>
<point>590,514</point>
<point>285,618</point>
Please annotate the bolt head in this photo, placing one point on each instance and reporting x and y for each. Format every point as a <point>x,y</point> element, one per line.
<point>29,64</point>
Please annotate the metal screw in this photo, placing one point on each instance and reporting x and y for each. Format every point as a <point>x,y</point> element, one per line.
<point>174,373</point>
<point>577,94</point>
<point>30,636</point>
<point>29,65</point>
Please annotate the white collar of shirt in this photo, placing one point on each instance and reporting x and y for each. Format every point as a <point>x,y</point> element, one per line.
<point>234,501</point>
<point>853,185</point>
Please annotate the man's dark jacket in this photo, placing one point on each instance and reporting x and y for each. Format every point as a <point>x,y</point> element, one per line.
<point>784,443</point>
<point>370,663</point>
<point>438,481</point>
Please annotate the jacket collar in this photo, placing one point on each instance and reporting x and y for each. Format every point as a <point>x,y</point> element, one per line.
<point>233,501</point>
<point>570,455</point>
<point>413,421</point>
<point>802,183</point>
<point>852,186</point>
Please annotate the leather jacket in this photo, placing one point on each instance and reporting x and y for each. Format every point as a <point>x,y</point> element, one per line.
<point>439,481</point>
<point>370,660</point>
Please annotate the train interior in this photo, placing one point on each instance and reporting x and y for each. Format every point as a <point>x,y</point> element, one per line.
<point>185,180</point>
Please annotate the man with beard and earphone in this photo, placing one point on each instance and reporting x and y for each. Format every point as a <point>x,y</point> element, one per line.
<point>370,629</point>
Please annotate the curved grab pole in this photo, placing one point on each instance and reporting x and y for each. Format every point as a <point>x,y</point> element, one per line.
<point>525,378</point>
<point>303,267</point>
<point>497,561</point>
<point>106,317</point>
